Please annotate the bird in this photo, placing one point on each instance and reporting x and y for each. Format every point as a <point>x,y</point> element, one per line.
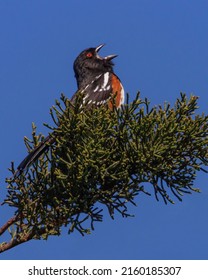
<point>97,83</point>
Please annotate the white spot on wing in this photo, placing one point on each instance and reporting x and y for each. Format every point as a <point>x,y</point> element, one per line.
<point>106,80</point>
<point>96,89</point>
<point>85,97</point>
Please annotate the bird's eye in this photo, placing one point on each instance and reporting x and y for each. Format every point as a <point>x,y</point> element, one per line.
<point>89,54</point>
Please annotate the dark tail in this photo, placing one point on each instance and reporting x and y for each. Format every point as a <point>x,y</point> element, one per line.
<point>34,155</point>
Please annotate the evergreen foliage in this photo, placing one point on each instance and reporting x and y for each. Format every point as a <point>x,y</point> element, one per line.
<point>105,158</point>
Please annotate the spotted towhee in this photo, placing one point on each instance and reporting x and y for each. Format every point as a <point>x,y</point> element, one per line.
<point>99,85</point>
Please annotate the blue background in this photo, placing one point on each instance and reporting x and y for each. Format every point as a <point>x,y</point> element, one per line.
<point>163,49</point>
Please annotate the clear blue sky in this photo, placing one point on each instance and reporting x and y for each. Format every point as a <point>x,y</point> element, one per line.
<point>163,49</point>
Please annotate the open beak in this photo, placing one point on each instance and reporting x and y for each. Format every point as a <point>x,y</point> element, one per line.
<point>108,57</point>
<point>98,48</point>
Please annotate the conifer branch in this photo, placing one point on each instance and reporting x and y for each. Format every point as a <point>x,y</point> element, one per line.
<point>105,158</point>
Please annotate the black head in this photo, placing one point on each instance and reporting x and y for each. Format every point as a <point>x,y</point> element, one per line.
<point>89,64</point>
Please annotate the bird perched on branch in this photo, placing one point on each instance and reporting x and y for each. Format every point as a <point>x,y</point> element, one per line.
<point>99,85</point>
